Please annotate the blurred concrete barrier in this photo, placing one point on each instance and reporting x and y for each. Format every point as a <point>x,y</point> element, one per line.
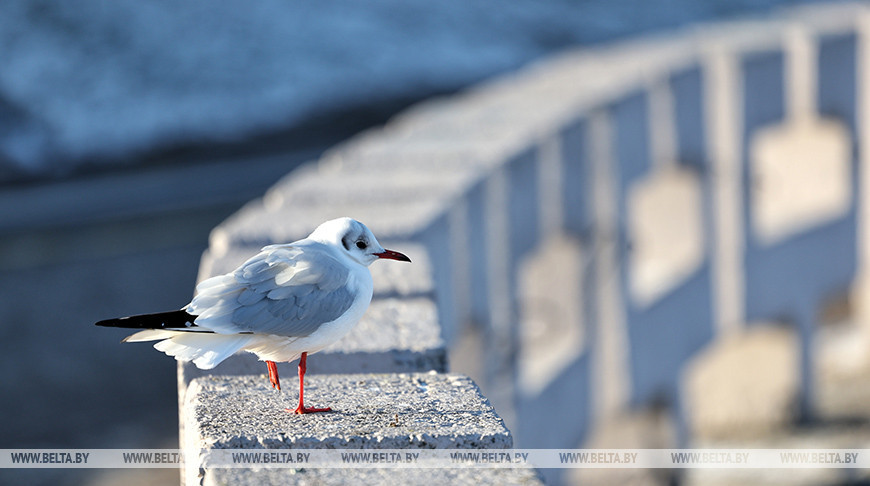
<point>697,182</point>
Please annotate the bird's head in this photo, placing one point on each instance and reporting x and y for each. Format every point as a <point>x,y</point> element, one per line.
<point>355,240</point>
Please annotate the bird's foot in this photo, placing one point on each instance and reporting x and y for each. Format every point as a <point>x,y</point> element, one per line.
<point>300,410</point>
<point>273,375</point>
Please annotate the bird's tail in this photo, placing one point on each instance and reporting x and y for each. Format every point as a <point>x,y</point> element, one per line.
<point>180,337</point>
<point>206,350</point>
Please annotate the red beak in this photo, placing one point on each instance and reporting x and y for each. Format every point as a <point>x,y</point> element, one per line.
<point>393,255</point>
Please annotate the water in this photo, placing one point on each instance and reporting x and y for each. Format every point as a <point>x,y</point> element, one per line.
<point>104,82</point>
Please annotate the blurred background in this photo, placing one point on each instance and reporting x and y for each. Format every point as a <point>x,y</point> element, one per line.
<point>129,129</point>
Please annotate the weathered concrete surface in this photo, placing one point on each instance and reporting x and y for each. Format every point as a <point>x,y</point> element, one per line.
<point>420,410</point>
<point>328,477</point>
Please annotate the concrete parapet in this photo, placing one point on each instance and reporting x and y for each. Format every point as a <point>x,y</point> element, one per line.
<point>379,411</point>
<point>370,411</point>
<point>597,145</point>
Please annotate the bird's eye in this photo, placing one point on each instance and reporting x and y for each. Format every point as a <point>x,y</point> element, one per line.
<point>361,245</point>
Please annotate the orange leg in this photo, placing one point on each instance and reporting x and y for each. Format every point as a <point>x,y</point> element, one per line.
<point>301,408</point>
<point>273,375</point>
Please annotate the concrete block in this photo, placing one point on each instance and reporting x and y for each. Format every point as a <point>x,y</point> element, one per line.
<point>637,429</point>
<point>805,167</point>
<point>744,386</point>
<point>386,411</point>
<point>422,410</point>
<point>664,250</point>
<point>341,477</point>
<point>552,331</point>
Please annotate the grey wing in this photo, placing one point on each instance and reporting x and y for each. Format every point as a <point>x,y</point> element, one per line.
<point>282,290</point>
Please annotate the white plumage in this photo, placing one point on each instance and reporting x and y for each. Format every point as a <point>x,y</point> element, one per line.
<point>285,302</point>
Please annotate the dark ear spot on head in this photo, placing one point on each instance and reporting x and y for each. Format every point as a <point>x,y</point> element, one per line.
<point>346,242</point>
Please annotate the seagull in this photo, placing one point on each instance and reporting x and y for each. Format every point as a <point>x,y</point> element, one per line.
<point>284,303</point>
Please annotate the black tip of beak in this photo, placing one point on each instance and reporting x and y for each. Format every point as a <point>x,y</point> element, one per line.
<point>393,255</point>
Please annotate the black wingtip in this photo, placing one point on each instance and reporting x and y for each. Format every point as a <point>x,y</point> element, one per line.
<point>107,323</point>
<point>160,320</point>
